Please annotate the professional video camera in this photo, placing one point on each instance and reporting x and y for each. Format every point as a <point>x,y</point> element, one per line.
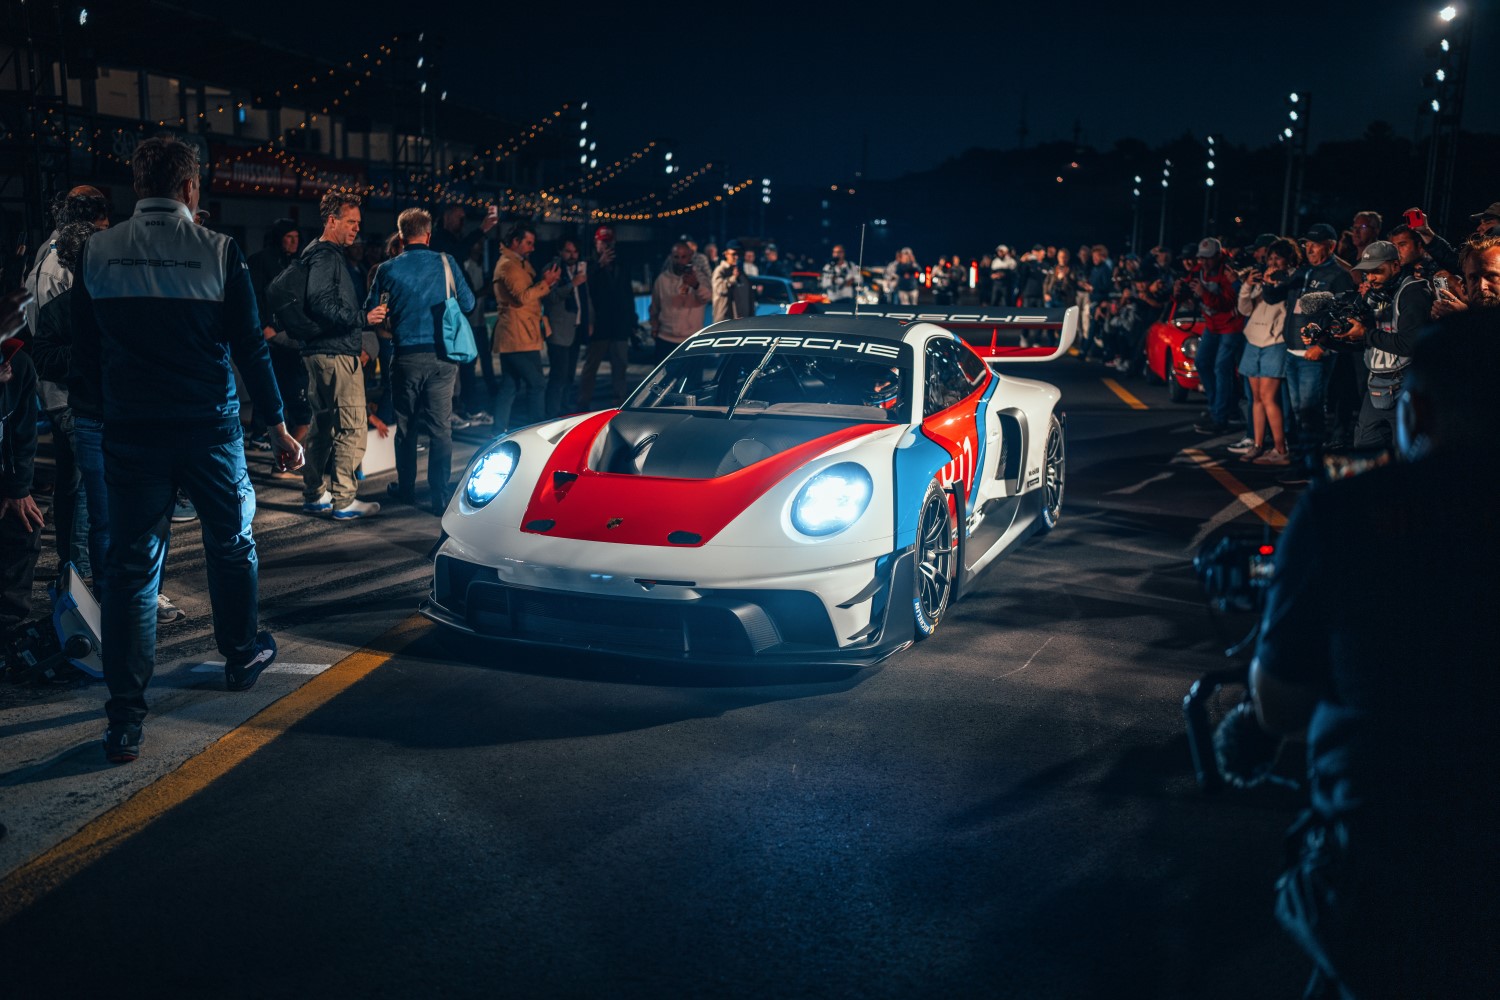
<point>1327,318</point>
<point>1224,737</point>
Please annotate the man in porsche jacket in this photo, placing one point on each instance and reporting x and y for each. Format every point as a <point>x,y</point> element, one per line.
<point>335,381</point>
<point>416,284</point>
<point>160,308</point>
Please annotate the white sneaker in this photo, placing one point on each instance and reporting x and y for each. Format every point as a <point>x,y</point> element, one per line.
<point>183,510</point>
<point>357,509</point>
<point>480,419</point>
<point>1274,458</point>
<point>1242,446</point>
<point>322,505</point>
<point>166,611</point>
<point>457,423</point>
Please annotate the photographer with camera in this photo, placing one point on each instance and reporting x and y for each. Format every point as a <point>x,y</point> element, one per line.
<point>677,300</point>
<point>1308,363</point>
<point>1398,301</point>
<point>1371,644</point>
<point>1263,302</point>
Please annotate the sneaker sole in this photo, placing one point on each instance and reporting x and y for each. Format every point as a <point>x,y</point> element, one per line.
<point>121,757</point>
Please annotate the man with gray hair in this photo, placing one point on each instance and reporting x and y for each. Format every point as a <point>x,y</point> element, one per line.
<point>415,287</point>
<point>160,308</point>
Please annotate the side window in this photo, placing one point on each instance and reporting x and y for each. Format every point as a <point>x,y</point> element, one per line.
<point>973,366</point>
<point>946,382</point>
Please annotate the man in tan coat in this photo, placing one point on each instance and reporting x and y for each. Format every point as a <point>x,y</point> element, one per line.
<point>518,328</point>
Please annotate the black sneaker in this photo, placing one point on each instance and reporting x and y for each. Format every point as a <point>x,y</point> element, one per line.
<point>122,742</point>
<point>243,675</point>
<point>1208,427</point>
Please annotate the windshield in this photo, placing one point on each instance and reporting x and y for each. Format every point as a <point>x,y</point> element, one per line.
<point>842,378</point>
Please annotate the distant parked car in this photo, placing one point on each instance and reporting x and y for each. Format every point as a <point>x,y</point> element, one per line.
<point>1172,352</point>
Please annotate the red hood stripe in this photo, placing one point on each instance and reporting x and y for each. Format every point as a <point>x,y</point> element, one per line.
<point>649,508</point>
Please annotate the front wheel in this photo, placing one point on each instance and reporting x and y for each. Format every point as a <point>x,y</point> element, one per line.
<point>1175,389</point>
<point>936,558</point>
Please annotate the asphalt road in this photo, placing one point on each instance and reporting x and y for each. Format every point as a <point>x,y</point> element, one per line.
<point>1006,810</point>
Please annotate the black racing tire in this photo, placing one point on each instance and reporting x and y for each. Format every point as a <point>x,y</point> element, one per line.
<point>1176,391</point>
<point>1054,469</point>
<point>936,561</point>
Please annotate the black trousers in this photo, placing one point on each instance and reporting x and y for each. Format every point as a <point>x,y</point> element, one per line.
<point>19,550</point>
<point>422,385</point>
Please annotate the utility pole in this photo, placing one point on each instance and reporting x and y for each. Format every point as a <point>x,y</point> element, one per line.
<point>1166,184</point>
<point>1135,215</point>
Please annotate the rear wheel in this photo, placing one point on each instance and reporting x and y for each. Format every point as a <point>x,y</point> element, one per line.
<point>1053,475</point>
<point>936,560</point>
<point>1175,390</point>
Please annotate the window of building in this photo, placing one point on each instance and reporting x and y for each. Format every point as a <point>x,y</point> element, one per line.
<point>118,93</point>
<point>218,110</point>
<point>163,99</point>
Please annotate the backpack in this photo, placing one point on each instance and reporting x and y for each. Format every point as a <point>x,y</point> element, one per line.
<point>286,301</point>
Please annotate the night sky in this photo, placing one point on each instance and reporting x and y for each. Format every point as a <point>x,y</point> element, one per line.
<point>792,92</point>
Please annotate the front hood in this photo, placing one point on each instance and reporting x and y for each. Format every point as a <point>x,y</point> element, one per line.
<point>670,479</point>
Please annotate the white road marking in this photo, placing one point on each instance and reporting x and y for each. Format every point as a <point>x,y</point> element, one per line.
<point>1241,503</point>
<point>1140,485</point>
<point>301,669</point>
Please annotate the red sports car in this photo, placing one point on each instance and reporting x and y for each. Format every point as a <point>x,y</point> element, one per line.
<point>1171,355</point>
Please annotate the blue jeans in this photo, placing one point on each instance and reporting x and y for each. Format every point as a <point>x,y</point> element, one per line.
<point>1218,355</point>
<point>142,480</point>
<point>88,440</point>
<point>1307,387</point>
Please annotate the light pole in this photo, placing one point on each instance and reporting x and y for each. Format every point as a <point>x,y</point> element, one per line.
<point>1166,184</point>
<point>765,203</point>
<point>1208,185</point>
<point>1294,135</point>
<point>1450,81</point>
<point>1135,216</point>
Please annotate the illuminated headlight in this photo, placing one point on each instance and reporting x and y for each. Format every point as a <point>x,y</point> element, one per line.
<point>832,500</point>
<point>1190,348</point>
<point>488,475</point>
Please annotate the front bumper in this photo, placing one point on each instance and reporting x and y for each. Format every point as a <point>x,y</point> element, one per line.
<point>700,625</point>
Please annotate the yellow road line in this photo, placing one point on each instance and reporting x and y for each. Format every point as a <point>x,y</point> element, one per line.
<point>47,871</point>
<point>1124,394</point>
<point>1258,506</point>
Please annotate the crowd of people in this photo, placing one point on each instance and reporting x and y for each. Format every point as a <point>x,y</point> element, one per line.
<point>1303,339</point>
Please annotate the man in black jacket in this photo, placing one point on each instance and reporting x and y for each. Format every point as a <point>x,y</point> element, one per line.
<point>335,381</point>
<point>1401,301</point>
<point>614,321</point>
<point>160,308</point>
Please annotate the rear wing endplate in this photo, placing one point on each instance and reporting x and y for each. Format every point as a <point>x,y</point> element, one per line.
<point>995,334</point>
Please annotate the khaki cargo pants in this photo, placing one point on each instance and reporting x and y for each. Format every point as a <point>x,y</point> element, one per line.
<point>336,442</point>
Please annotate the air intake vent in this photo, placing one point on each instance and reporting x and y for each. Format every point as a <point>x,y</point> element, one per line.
<point>545,524</point>
<point>684,538</point>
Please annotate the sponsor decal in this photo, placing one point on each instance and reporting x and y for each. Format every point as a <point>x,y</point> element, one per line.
<point>614,522</point>
<point>865,347</point>
<point>152,262</point>
<point>923,622</point>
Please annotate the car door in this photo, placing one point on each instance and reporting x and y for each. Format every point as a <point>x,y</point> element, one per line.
<point>952,396</point>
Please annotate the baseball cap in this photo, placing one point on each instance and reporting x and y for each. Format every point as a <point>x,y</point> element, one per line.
<point>604,234</point>
<point>1377,253</point>
<point>1263,240</point>
<point>734,245</point>
<point>1038,247</point>
<point>1209,247</point>
<point>1002,248</point>
<point>1322,232</point>
<point>1188,250</point>
<point>1493,211</point>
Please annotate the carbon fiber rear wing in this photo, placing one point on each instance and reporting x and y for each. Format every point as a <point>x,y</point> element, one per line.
<point>999,335</point>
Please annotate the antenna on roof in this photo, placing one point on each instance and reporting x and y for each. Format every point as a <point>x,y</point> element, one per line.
<point>859,274</point>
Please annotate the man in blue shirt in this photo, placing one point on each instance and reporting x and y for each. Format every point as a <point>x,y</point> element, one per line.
<point>414,287</point>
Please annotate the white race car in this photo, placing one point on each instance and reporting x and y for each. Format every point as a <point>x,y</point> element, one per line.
<point>799,488</point>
